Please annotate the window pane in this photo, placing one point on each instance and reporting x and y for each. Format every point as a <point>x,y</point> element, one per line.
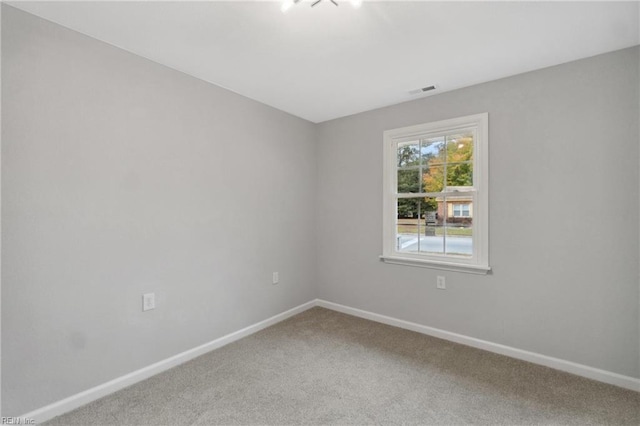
<point>460,176</point>
<point>433,240</point>
<point>408,226</point>
<point>460,161</point>
<point>408,154</point>
<point>432,179</point>
<point>433,235</point>
<point>408,181</point>
<point>419,227</point>
<point>460,148</point>
<point>432,150</point>
<point>409,208</point>
<point>459,238</point>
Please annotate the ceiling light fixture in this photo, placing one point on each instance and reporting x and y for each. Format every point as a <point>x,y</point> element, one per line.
<point>287,4</point>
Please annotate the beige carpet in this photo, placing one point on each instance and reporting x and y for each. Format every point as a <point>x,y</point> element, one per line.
<point>323,367</point>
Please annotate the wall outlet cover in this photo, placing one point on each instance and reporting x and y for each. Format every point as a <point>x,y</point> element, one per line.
<point>148,301</point>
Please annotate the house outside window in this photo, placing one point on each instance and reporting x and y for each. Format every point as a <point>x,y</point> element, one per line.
<point>461,210</point>
<point>436,195</point>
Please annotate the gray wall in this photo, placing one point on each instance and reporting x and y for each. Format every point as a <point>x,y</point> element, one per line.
<point>563,215</point>
<point>120,177</point>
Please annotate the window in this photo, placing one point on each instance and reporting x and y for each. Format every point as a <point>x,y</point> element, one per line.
<point>436,195</point>
<point>461,210</point>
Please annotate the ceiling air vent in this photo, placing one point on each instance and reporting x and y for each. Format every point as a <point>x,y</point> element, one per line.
<point>424,89</point>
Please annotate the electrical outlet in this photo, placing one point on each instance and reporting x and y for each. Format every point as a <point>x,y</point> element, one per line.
<point>276,278</point>
<point>148,301</point>
<point>440,283</point>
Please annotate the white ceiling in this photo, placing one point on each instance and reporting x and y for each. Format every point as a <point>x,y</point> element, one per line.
<point>326,62</point>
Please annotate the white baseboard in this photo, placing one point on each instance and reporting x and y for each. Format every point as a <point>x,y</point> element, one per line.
<point>75,401</point>
<point>556,363</point>
<point>71,403</point>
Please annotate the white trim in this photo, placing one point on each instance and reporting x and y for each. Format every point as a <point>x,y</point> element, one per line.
<point>604,376</point>
<point>75,401</point>
<point>441,265</point>
<point>71,403</point>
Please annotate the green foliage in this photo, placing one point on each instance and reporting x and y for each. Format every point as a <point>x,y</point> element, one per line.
<point>408,181</point>
<point>416,207</point>
<point>408,155</point>
<point>459,157</point>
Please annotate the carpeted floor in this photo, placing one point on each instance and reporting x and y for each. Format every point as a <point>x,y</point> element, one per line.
<point>324,367</point>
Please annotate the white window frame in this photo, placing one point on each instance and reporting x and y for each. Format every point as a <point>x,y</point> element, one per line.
<point>478,263</point>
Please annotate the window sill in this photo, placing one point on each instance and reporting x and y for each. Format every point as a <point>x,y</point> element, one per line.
<point>446,266</point>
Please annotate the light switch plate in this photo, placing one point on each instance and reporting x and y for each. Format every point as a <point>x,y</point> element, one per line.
<point>148,301</point>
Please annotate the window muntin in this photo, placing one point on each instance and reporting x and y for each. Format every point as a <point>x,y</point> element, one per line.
<point>436,195</point>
